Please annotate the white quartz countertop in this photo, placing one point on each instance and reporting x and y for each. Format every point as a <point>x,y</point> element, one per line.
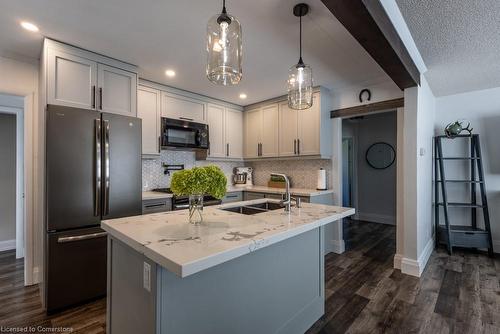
<point>168,238</point>
<point>155,195</point>
<point>271,190</point>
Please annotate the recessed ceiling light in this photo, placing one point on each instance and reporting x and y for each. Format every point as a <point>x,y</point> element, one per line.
<point>170,73</point>
<point>243,96</point>
<point>29,26</point>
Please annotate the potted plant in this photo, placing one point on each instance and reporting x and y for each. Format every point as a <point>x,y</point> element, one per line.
<point>195,183</point>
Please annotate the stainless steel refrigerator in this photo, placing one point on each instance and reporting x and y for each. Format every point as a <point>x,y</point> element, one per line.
<point>93,172</point>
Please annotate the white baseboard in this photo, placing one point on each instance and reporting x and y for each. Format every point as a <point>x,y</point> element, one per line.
<point>376,218</point>
<point>397,261</point>
<point>37,277</point>
<point>416,268</point>
<point>7,245</point>
<point>496,246</point>
<point>334,246</point>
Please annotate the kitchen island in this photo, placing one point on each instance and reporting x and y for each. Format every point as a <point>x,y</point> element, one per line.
<point>235,273</point>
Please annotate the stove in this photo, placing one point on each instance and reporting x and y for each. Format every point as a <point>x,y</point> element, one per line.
<point>182,202</point>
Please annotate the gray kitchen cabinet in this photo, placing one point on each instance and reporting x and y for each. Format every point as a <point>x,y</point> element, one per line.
<point>226,132</point>
<point>261,132</point>
<point>72,80</point>
<point>216,121</point>
<point>82,79</point>
<point>117,90</point>
<point>248,196</point>
<point>156,205</point>
<point>182,107</point>
<point>148,109</point>
<point>233,197</point>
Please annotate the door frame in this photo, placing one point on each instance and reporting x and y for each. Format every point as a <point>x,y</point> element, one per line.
<point>337,181</point>
<point>18,113</point>
<point>24,184</point>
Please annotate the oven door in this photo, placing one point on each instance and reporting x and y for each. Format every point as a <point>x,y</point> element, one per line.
<point>182,134</point>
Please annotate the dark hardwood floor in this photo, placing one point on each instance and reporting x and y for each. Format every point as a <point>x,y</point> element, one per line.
<point>364,294</point>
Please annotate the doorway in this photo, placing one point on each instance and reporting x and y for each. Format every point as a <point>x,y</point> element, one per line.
<point>12,174</point>
<point>369,175</point>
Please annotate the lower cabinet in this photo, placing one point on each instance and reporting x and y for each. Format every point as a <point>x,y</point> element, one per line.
<point>156,205</point>
<point>233,197</point>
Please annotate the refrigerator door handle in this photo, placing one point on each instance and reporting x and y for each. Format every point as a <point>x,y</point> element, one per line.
<point>81,237</point>
<point>98,164</point>
<point>106,167</point>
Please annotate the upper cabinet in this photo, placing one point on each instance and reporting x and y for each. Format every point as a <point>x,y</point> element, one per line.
<point>183,108</point>
<point>225,126</point>
<point>117,90</point>
<point>261,132</point>
<point>82,79</point>
<point>274,130</point>
<point>148,109</point>
<point>72,80</point>
<point>300,130</point>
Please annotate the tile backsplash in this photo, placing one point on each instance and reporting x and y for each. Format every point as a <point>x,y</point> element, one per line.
<point>153,173</point>
<point>302,173</point>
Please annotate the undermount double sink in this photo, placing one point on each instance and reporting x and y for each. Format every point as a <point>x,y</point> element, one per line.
<point>252,209</point>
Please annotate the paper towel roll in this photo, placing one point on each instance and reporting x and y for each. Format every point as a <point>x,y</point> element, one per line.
<point>321,179</point>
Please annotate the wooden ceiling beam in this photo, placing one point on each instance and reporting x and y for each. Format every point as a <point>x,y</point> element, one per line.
<point>365,109</point>
<point>369,24</point>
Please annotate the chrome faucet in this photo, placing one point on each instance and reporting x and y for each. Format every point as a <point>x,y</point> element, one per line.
<point>287,201</point>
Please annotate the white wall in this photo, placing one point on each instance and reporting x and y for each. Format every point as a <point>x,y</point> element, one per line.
<point>375,190</point>
<point>19,78</point>
<point>346,97</point>
<point>482,109</point>
<point>417,223</point>
<point>7,181</point>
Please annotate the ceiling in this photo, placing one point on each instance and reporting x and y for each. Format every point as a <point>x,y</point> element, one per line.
<point>157,35</point>
<point>458,41</point>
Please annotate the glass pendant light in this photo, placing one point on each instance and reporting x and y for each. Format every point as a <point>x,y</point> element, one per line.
<point>300,81</point>
<point>224,49</point>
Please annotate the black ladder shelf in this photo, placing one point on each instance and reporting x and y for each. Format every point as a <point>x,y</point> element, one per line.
<point>456,235</point>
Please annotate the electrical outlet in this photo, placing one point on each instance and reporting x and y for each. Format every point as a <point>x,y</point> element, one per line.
<point>146,277</point>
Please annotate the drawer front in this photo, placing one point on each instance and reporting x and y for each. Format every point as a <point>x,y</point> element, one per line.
<point>274,196</point>
<point>156,205</point>
<point>469,239</point>
<point>250,196</point>
<point>233,197</point>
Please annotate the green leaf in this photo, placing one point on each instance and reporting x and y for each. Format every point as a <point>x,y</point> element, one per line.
<point>199,180</point>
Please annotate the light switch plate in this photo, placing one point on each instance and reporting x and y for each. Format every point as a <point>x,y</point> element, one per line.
<point>146,277</point>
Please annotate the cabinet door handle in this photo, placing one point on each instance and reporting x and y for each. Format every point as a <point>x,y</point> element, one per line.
<point>159,144</point>
<point>93,97</point>
<point>227,149</point>
<point>298,146</point>
<point>100,98</point>
<point>295,146</point>
<point>186,119</point>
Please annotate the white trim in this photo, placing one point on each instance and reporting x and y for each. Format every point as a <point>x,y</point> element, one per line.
<point>334,246</point>
<point>392,10</point>
<point>416,268</point>
<point>37,275</point>
<point>397,261</point>
<point>7,245</point>
<point>496,246</point>
<point>376,218</point>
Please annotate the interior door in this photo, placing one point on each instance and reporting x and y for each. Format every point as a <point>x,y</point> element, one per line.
<point>71,81</point>
<point>215,118</point>
<point>71,159</point>
<point>253,124</point>
<point>234,133</point>
<point>117,90</point>
<point>122,166</point>
<point>309,129</point>
<point>288,130</point>
<point>148,109</point>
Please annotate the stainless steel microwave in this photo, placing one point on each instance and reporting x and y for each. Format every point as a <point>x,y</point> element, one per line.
<point>179,134</point>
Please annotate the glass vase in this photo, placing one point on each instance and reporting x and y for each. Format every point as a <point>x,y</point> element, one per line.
<point>196,209</point>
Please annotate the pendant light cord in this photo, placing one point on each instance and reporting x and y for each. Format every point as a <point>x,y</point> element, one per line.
<point>224,7</point>
<point>300,41</point>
